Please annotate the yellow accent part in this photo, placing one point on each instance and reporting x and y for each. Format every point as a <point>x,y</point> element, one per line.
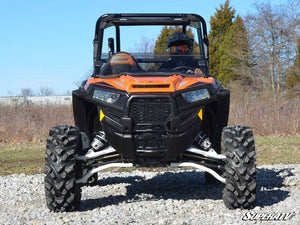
<point>200,114</point>
<point>101,115</point>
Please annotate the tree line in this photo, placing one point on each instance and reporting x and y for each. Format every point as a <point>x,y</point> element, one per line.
<point>261,49</point>
<point>42,91</point>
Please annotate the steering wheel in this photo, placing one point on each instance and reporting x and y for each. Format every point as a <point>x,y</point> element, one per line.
<point>181,68</point>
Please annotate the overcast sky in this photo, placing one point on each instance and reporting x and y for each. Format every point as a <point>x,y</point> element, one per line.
<point>49,43</point>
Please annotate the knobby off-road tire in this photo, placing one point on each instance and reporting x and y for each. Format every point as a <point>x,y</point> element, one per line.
<point>240,169</point>
<point>61,169</point>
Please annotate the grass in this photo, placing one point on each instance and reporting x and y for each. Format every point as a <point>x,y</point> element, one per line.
<point>265,114</point>
<point>28,158</point>
<point>274,150</point>
<point>21,157</point>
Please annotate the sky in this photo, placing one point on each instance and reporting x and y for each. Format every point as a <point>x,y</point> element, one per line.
<point>48,44</point>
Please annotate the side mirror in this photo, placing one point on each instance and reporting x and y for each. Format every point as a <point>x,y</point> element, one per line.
<point>111,47</point>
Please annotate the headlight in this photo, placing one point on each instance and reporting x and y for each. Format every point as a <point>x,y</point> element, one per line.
<point>193,96</point>
<point>106,96</point>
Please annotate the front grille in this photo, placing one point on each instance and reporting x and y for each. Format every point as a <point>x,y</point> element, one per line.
<point>150,110</point>
<point>151,142</point>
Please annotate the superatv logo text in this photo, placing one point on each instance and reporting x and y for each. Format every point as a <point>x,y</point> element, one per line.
<point>267,216</point>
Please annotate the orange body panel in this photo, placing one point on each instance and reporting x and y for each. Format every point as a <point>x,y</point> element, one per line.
<point>151,84</point>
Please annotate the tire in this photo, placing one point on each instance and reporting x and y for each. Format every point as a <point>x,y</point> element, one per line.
<point>61,169</point>
<point>240,169</point>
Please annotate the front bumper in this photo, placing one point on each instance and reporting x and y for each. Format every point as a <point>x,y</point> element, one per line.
<point>151,126</point>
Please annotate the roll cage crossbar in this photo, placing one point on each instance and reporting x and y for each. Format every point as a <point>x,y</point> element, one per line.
<point>132,19</point>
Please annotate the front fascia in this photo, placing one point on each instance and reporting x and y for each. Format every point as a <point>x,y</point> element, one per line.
<point>126,134</point>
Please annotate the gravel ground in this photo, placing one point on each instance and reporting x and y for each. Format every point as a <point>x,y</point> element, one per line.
<point>173,197</point>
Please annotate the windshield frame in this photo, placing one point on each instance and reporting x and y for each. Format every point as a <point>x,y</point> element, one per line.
<point>144,19</point>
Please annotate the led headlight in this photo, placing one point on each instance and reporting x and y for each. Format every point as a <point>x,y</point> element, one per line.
<point>106,96</point>
<point>193,96</point>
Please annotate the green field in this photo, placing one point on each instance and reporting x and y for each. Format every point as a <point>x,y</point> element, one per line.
<point>28,158</point>
<point>274,150</point>
<point>21,157</point>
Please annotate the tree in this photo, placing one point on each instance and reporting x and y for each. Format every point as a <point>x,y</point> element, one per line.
<point>146,46</point>
<point>45,91</point>
<point>241,52</point>
<point>273,32</point>
<point>235,58</point>
<point>26,92</point>
<point>293,79</point>
<point>229,48</point>
<point>145,49</point>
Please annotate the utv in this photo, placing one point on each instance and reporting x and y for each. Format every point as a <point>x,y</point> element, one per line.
<point>135,112</point>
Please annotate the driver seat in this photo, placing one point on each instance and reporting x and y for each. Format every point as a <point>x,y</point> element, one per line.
<point>120,62</point>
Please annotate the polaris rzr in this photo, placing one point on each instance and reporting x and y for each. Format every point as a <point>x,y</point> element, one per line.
<point>144,110</point>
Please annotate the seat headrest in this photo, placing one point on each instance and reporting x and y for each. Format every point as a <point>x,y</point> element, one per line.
<point>121,58</point>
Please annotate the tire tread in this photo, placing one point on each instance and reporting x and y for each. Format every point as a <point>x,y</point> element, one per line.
<point>240,188</point>
<point>61,169</point>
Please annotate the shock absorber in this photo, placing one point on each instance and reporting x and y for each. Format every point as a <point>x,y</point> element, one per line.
<point>203,140</point>
<point>99,141</point>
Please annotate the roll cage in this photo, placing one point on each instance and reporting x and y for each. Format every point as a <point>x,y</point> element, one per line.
<point>131,19</point>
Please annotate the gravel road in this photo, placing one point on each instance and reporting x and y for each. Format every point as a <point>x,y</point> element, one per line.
<point>173,197</point>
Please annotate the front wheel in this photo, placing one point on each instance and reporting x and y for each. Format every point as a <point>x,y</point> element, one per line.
<point>61,169</point>
<point>240,169</point>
